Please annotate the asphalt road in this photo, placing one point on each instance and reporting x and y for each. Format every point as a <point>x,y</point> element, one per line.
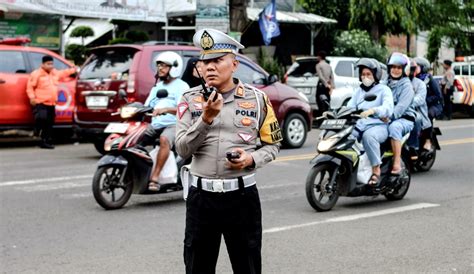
<point>50,223</point>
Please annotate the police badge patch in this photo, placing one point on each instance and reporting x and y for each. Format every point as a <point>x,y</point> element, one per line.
<point>206,41</point>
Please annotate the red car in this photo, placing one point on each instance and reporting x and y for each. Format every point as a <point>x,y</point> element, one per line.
<point>131,68</point>
<point>17,62</point>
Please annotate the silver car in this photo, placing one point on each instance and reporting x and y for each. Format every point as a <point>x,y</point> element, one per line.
<point>302,76</point>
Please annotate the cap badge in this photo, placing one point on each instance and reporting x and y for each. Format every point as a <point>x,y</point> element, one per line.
<point>206,41</point>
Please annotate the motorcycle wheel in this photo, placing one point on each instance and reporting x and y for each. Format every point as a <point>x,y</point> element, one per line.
<point>107,190</point>
<point>405,178</point>
<point>426,166</point>
<point>321,193</point>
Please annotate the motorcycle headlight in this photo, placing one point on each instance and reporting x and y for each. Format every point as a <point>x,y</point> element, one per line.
<point>326,145</point>
<point>127,112</point>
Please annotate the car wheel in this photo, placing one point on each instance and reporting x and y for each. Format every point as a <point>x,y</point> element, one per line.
<point>294,131</point>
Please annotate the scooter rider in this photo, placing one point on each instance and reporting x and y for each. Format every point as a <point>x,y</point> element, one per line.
<point>372,130</point>
<point>402,120</point>
<point>163,125</point>
<point>422,120</point>
<point>434,99</point>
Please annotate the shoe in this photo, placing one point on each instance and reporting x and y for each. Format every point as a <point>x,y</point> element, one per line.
<point>46,146</point>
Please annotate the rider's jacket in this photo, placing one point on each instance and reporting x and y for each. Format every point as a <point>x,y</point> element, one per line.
<point>403,95</point>
<point>382,105</point>
<point>419,102</point>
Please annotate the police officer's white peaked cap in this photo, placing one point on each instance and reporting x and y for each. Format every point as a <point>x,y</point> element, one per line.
<point>215,44</point>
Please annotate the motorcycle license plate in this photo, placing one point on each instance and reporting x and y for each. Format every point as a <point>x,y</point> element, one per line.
<point>116,128</point>
<point>333,124</point>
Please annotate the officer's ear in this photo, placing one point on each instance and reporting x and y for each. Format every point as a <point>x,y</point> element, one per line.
<point>235,63</point>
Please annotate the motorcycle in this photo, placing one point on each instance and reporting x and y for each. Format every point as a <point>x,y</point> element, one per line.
<point>341,168</point>
<point>421,160</point>
<point>127,166</point>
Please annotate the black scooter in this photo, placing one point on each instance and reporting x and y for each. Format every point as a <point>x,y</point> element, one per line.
<point>338,167</point>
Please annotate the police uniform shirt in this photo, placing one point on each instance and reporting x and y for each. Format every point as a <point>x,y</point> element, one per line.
<point>246,121</point>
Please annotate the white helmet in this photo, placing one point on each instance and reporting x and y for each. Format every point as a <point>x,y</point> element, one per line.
<point>171,59</point>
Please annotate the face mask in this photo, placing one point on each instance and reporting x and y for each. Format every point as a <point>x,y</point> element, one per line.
<point>367,81</point>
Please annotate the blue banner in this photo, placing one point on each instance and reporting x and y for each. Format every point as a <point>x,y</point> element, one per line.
<point>268,23</point>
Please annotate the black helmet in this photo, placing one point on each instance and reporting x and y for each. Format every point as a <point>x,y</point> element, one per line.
<point>423,63</point>
<point>371,64</point>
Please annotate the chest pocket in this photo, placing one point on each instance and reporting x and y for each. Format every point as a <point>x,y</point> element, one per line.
<point>195,107</point>
<point>245,121</point>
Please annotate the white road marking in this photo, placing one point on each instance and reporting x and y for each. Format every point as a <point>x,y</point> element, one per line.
<point>45,180</point>
<point>353,217</point>
<point>76,195</point>
<point>53,186</point>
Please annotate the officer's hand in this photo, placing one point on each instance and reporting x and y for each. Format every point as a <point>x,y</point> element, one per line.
<point>244,161</point>
<point>385,120</point>
<point>367,113</point>
<point>211,109</point>
<point>33,102</point>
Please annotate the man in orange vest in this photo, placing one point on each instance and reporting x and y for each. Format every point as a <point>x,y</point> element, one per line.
<point>42,90</point>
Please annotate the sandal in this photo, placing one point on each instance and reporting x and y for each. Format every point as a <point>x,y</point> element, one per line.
<point>153,185</point>
<point>374,180</point>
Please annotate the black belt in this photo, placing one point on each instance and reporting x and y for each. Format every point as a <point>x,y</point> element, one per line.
<point>409,118</point>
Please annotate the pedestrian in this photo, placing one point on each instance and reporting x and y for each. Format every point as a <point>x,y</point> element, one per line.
<point>447,86</point>
<point>42,90</point>
<point>325,83</point>
<point>229,135</point>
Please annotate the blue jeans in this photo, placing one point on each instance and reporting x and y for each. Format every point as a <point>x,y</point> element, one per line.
<point>399,128</point>
<point>371,139</point>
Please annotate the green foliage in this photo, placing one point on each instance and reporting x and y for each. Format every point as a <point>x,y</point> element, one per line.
<point>83,32</point>
<point>455,25</point>
<point>387,16</point>
<point>77,53</point>
<point>358,43</point>
<point>271,65</point>
<point>136,36</point>
<point>120,40</point>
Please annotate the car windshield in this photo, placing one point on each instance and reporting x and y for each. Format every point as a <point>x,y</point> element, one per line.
<point>300,67</point>
<point>108,63</point>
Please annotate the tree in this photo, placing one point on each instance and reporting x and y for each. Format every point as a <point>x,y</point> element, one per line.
<point>76,52</point>
<point>451,19</point>
<point>83,32</point>
<point>357,43</point>
<point>455,25</point>
<point>386,16</point>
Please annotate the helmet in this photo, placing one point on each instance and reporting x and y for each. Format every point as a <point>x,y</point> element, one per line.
<point>371,64</point>
<point>398,59</point>
<point>423,63</point>
<point>171,59</point>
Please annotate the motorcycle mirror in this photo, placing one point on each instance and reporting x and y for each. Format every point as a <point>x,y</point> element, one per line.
<point>162,93</point>
<point>370,97</point>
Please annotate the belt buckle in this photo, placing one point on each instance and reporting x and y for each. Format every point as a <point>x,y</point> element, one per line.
<point>218,186</point>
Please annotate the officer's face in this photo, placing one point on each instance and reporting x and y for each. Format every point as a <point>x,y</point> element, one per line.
<point>218,71</point>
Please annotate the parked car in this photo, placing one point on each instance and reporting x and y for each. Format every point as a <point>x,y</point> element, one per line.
<point>463,95</point>
<point>131,69</point>
<point>302,76</point>
<point>17,62</point>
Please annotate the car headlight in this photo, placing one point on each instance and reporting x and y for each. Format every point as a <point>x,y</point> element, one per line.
<point>303,97</point>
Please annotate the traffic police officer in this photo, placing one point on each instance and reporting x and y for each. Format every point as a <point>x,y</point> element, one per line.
<point>223,197</point>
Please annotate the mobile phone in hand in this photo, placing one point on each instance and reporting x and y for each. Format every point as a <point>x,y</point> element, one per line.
<point>232,156</point>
